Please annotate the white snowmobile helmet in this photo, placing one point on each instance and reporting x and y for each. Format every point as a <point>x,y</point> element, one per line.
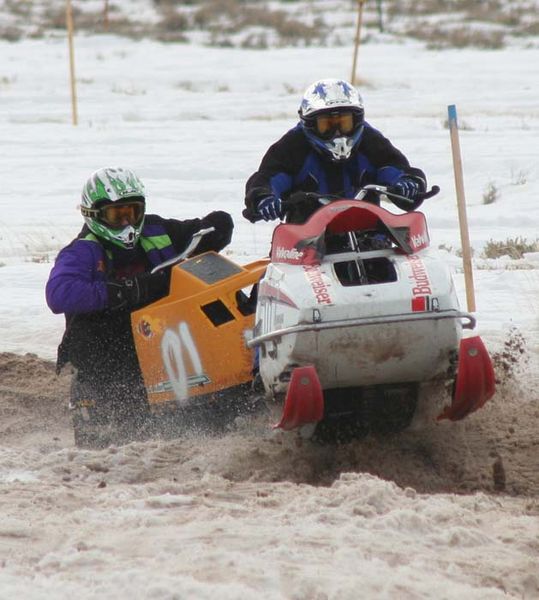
<point>332,117</point>
<point>113,205</point>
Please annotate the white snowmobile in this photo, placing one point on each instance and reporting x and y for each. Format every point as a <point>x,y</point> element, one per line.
<point>355,315</point>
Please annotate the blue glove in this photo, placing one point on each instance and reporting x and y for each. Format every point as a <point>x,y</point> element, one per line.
<point>407,187</point>
<point>269,208</point>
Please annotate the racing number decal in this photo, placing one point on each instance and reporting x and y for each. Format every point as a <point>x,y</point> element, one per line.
<point>173,347</point>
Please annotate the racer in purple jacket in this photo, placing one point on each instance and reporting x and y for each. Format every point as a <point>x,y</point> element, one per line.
<point>103,275</point>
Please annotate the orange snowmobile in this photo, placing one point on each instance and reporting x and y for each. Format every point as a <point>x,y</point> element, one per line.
<point>192,344</point>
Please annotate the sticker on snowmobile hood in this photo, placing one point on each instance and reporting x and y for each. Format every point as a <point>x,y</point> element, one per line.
<point>145,328</point>
<point>419,241</point>
<point>320,284</point>
<point>419,276</point>
<point>422,299</point>
<point>148,326</point>
<point>288,254</point>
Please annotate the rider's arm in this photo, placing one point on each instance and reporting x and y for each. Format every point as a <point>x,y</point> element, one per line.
<point>389,162</point>
<point>76,283</point>
<point>390,165</point>
<point>181,232</point>
<point>278,168</point>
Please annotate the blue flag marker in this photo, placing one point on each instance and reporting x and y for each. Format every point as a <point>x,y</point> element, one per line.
<point>452,114</point>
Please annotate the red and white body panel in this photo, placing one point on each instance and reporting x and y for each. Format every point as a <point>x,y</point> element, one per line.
<point>358,335</point>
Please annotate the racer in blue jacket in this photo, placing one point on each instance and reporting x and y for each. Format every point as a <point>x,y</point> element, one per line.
<point>332,150</point>
<point>104,274</point>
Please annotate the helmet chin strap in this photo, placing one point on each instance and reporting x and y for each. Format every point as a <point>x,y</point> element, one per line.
<point>340,148</point>
<point>127,237</point>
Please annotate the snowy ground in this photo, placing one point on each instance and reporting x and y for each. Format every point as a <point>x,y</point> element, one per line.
<point>252,515</point>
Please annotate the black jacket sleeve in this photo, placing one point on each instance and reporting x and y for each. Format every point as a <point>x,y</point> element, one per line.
<point>283,160</point>
<point>381,153</point>
<point>181,232</point>
<point>385,158</point>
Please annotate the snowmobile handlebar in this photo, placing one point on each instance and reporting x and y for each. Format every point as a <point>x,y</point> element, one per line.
<point>315,199</point>
<point>379,190</point>
<point>390,192</point>
<point>191,247</point>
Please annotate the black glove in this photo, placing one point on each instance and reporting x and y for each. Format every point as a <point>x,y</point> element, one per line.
<point>136,291</point>
<point>218,239</point>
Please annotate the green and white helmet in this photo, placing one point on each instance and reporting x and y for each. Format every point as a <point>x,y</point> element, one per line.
<point>113,205</point>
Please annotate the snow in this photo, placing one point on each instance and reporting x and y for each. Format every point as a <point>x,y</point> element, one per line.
<point>164,537</point>
<point>177,520</point>
<point>182,115</point>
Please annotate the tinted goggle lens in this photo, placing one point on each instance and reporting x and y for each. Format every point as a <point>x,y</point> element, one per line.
<point>327,125</point>
<point>118,215</point>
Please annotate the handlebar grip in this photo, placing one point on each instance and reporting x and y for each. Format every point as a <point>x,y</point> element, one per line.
<point>432,192</point>
<point>250,215</point>
<point>421,196</point>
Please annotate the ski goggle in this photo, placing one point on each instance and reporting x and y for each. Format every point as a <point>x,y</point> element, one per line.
<point>117,215</point>
<point>327,125</point>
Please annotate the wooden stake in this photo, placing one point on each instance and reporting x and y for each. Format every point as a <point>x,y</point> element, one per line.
<point>106,16</point>
<point>69,26</point>
<point>461,203</point>
<point>380,16</point>
<point>360,4</point>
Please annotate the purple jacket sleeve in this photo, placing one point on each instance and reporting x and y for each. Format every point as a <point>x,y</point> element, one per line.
<point>77,281</point>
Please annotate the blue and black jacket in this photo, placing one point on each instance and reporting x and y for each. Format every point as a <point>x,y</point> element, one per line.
<point>292,164</point>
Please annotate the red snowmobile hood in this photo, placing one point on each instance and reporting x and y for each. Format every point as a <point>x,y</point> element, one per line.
<point>304,244</point>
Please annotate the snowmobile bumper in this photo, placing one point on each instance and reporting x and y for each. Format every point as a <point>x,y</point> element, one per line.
<point>363,321</point>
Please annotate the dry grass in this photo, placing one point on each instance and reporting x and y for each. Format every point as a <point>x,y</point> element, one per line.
<point>172,26</point>
<point>491,193</point>
<point>6,81</point>
<point>173,21</point>
<point>463,23</point>
<point>10,33</point>
<point>259,24</point>
<point>223,18</point>
<point>458,37</point>
<point>16,7</point>
<point>462,125</point>
<point>488,11</point>
<point>515,248</point>
<point>528,29</point>
<point>519,177</point>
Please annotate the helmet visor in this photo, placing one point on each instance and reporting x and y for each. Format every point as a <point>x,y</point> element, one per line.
<point>120,215</point>
<point>327,125</point>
